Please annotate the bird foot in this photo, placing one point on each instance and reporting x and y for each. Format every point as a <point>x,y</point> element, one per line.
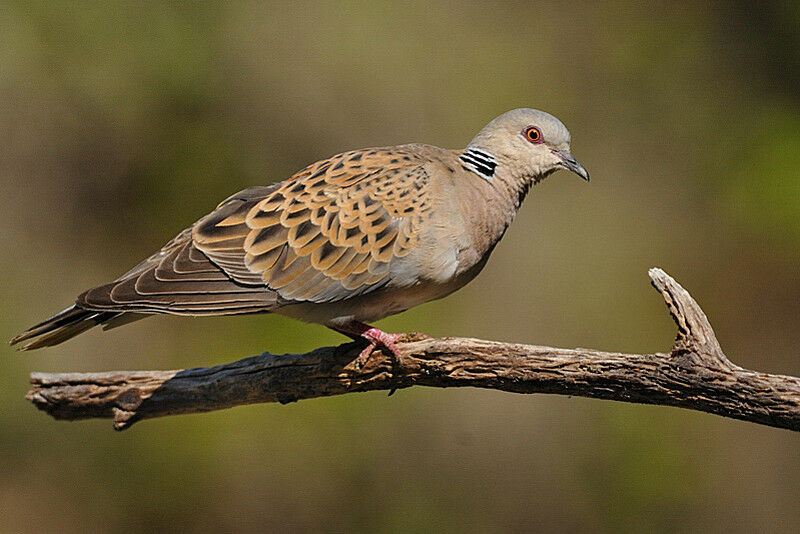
<point>379,339</point>
<point>387,343</point>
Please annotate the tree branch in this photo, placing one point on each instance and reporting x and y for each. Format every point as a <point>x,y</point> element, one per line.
<point>695,375</point>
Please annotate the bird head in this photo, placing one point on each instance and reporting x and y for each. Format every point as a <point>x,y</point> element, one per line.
<point>531,143</point>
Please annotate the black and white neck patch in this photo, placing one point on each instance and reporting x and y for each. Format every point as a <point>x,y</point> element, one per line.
<point>480,162</point>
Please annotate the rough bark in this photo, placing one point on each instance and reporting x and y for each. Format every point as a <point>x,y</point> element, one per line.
<point>695,374</point>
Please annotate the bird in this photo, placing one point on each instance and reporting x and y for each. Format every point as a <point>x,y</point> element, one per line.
<point>344,242</point>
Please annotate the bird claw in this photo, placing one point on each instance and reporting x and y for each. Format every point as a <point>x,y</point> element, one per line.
<point>378,339</point>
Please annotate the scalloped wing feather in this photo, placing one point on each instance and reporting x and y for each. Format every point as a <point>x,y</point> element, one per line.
<point>328,233</point>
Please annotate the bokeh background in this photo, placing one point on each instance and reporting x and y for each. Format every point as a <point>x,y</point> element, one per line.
<point>122,124</point>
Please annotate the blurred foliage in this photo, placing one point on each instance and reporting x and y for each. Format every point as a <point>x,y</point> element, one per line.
<point>121,123</point>
<point>769,206</point>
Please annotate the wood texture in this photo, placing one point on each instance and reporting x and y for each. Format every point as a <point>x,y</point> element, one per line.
<point>695,374</point>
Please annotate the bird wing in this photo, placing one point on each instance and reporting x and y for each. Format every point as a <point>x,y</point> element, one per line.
<point>178,279</point>
<point>328,233</point>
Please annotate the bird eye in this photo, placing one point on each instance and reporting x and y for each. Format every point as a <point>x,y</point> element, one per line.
<point>532,134</point>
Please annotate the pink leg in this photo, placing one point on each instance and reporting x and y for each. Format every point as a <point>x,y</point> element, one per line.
<point>375,336</point>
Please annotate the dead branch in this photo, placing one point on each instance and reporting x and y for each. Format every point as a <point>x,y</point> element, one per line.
<point>695,374</point>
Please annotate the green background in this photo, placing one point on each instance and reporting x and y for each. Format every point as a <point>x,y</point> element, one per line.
<point>120,124</point>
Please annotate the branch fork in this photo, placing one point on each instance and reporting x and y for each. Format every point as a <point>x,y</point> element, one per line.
<point>695,374</point>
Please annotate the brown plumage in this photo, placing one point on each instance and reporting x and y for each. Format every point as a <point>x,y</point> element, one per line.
<point>352,238</point>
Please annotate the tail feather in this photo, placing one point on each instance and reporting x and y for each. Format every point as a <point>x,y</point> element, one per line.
<point>62,326</point>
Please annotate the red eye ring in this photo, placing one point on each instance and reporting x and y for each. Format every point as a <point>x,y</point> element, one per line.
<point>532,134</point>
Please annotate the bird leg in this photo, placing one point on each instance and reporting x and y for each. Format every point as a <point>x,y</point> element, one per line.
<point>376,338</point>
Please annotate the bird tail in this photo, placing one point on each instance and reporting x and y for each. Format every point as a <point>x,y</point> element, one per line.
<point>68,324</point>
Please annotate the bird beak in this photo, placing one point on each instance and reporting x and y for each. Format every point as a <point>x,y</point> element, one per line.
<point>568,162</point>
